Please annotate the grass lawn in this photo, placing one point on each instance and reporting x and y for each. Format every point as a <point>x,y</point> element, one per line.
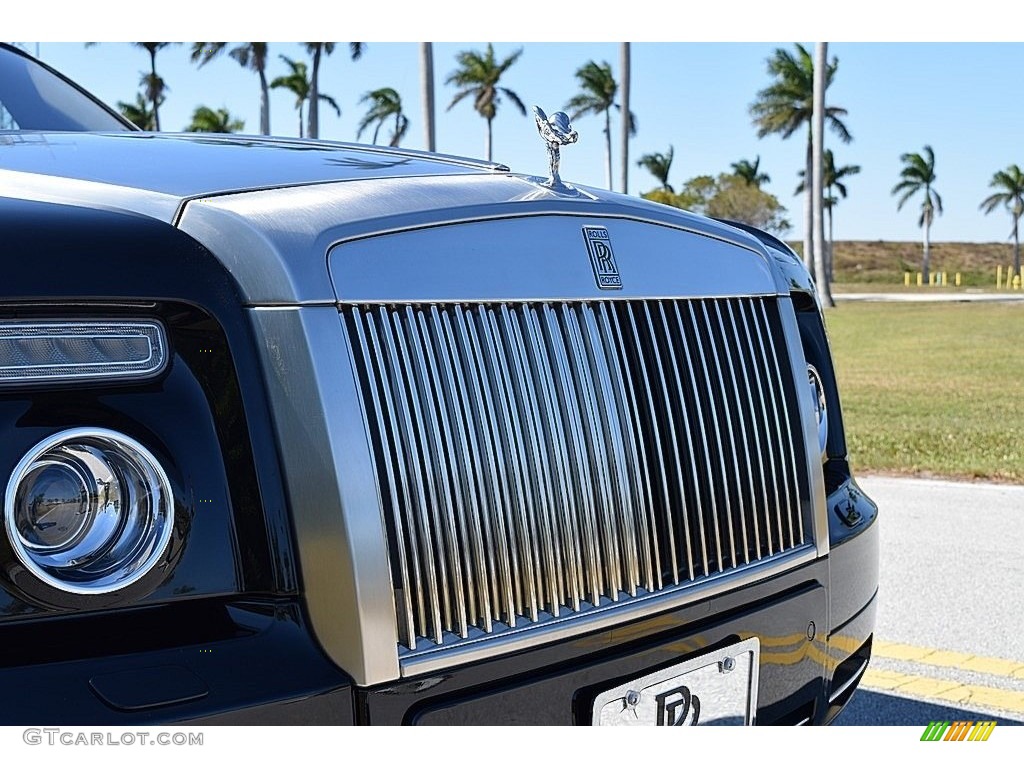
<point>932,389</point>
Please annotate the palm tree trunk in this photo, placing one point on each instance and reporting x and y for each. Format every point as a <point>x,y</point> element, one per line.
<point>487,146</point>
<point>1016,249</point>
<point>608,148</point>
<point>264,104</point>
<point>830,263</point>
<point>156,96</point>
<point>624,67</point>
<point>314,96</point>
<point>300,120</point>
<point>427,90</point>
<point>809,209</point>
<point>817,157</point>
<point>925,258</point>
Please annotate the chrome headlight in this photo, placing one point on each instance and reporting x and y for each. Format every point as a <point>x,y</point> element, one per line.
<point>820,407</point>
<point>89,511</point>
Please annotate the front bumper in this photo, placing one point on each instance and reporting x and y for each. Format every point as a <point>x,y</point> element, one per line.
<point>258,662</point>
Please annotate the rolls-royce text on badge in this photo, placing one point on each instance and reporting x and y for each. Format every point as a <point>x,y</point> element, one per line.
<point>599,246</point>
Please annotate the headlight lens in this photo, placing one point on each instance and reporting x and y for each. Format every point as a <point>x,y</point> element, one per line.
<point>820,407</point>
<point>89,511</point>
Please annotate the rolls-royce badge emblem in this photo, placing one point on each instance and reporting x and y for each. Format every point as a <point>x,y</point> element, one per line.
<point>557,133</point>
<point>599,246</point>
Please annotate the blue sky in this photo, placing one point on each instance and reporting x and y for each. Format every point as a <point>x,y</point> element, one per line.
<point>965,100</point>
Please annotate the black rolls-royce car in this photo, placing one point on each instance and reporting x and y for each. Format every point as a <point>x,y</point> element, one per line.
<point>307,432</point>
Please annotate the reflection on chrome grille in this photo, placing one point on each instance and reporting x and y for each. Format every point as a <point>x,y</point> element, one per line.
<point>540,459</point>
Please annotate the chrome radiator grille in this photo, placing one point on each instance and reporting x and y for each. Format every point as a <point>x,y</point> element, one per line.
<point>540,459</point>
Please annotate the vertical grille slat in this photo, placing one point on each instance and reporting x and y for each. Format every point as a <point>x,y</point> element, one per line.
<point>636,458</point>
<point>538,460</point>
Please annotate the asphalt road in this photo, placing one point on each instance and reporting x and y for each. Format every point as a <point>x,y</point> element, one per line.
<point>949,643</point>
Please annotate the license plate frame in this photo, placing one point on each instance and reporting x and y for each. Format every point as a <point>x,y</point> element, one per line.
<point>715,688</point>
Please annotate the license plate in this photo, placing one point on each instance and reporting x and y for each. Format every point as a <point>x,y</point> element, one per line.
<point>717,688</point>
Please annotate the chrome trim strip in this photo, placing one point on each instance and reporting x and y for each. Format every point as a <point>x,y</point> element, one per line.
<point>656,433</point>
<point>496,493</point>
<point>738,404</point>
<point>570,550</point>
<point>746,400</point>
<point>853,680</point>
<point>620,497</point>
<point>432,458</point>
<point>471,481</point>
<point>516,467</point>
<point>773,383</point>
<point>635,470</point>
<point>758,368</point>
<point>672,432</point>
<point>702,357</point>
<point>570,415</point>
<point>603,617</point>
<point>418,510</point>
<point>695,473</point>
<point>405,616</point>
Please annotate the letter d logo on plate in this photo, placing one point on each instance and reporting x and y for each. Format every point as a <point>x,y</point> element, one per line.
<point>599,246</point>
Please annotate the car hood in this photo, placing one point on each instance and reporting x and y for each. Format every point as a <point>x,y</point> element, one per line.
<point>271,209</point>
<point>155,173</point>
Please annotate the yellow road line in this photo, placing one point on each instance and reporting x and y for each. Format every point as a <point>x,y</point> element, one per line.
<point>944,690</point>
<point>954,659</point>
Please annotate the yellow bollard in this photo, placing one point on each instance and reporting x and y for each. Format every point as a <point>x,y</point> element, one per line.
<point>906,278</point>
<point>957,279</point>
<point>1016,282</point>
<point>999,277</point>
<point>944,282</point>
<point>919,280</point>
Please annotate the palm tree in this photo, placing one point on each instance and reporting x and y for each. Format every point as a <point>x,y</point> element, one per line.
<point>597,95</point>
<point>138,113</point>
<point>659,166</point>
<point>251,56</point>
<point>385,104</point>
<point>624,68</point>
<point>834,191</point>
<point>297,81</point>
<point>206,120</point>
<point>787,105</point>
<point>751,172</point>
<point>317,50</point>
<point>427,90</point>
<point>817,164</point>
<point>918,175</point>
<point>1011,184</point>
<point>477,76</point>
<point>153,85</point>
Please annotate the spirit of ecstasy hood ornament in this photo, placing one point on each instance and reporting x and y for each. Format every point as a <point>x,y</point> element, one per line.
<point>556,132</point>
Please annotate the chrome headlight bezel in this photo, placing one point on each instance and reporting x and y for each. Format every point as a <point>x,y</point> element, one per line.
<point>122,537</point>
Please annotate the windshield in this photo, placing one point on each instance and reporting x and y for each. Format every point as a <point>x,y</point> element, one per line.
<point>34,98</point>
